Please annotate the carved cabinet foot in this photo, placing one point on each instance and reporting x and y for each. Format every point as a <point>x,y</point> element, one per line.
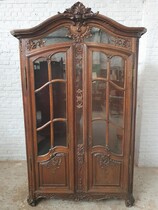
<point>31,201</point>
<point>129,200</point>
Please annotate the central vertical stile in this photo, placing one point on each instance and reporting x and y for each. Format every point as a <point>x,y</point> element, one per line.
<point>79,117</point>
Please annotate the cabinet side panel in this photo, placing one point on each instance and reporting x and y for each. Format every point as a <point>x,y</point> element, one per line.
<point>27,117</point>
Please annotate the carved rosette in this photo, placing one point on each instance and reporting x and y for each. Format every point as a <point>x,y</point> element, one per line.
<point>34,44</point>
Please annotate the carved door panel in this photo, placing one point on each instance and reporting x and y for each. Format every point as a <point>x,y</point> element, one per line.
<point>52,118</point>
<point>108,87</point>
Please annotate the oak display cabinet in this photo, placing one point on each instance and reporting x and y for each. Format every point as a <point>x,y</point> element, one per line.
<point>79,80</point>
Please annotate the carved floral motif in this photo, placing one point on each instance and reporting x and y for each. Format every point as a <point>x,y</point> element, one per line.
<point>120,42</point>
<point>33,44</point>
<point>79,98</point>
<point>80,154</point>
<point>80,161</point>
<point>79,13</point>
<point>55,162</point>
<point>105,160</point>
<point>81,196</point>
<point>78,66</point>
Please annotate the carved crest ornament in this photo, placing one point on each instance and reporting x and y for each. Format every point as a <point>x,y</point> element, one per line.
<point>78,13</point>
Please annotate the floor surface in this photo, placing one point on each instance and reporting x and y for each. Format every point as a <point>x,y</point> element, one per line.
<point>13,192</point>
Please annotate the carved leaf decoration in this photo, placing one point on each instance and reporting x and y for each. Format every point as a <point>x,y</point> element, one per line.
<point>55,162</point>
<point>81,196</point>
<point>79,32</point>
<point>120,42</point>
<point>80,154</point>
<point>80,161</point>
<point>31,45</point>
<point>79,98</point>
<point>78,12</point>
<point>105,160</point>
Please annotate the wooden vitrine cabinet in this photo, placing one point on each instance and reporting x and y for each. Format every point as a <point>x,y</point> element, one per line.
<point>79,78</point>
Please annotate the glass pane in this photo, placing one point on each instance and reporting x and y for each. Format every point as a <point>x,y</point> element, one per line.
<point>43,140</point>
<point>42,106</point>
<point>59,99</point>
<point>116,103</point>
<point>40,72</point>
<point>117,70</point>
<point>99,68</point>
<point>58,65</point>
<point>115,138</point>
<point>60,133</point>
<point>98,99</point>
<point>58,36</point>
<point>99,36</point>
<point>99,132</point>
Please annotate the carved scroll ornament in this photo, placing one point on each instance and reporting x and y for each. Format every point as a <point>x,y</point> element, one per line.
<point>33,44</point>
<point>121,42</point>
<point>105,160</point>
<point>55,162</point>
<point>81,196</point>
<point>79,35</point>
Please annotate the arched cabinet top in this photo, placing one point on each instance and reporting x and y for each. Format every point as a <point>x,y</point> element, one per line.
<point>79,19</point>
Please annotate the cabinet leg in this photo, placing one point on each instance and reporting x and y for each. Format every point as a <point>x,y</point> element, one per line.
<point>31,201</point>
<point>129,200</point>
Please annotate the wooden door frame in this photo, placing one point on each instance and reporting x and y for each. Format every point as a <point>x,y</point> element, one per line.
<point>50,50</point>
<point>124,158</point>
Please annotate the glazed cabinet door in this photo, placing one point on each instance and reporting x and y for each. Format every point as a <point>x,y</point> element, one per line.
<point>52,116</point>
<point>109,94</point>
